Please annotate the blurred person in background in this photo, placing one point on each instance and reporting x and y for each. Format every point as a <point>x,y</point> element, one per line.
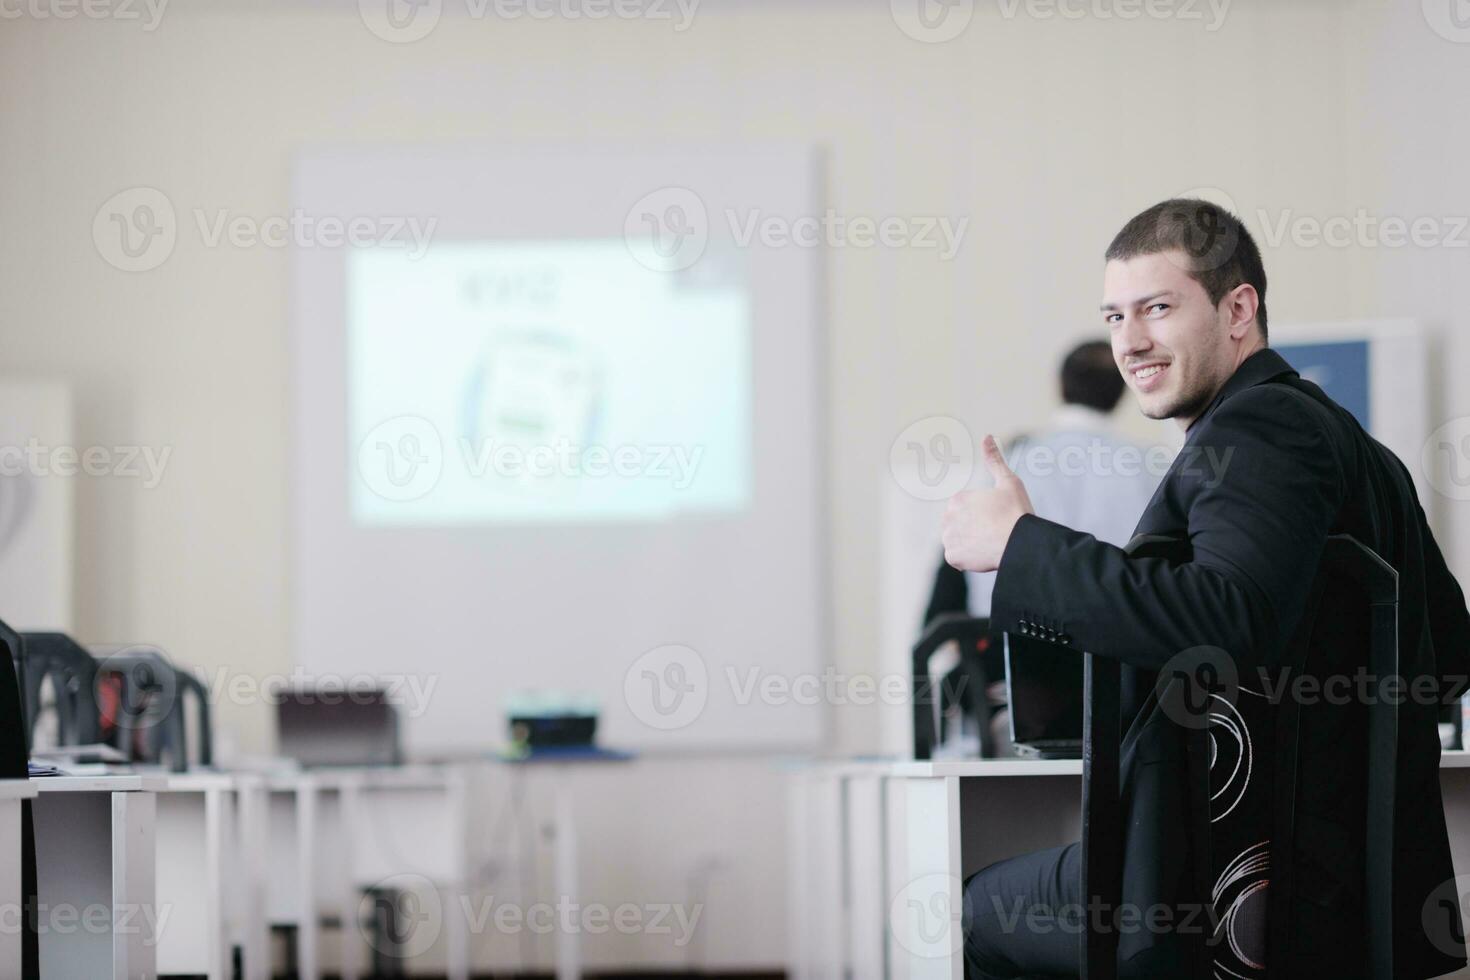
<point>1080,470</point>
<point>1082,473</point>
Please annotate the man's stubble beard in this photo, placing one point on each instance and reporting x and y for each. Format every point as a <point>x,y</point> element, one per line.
<point>1191,403</point>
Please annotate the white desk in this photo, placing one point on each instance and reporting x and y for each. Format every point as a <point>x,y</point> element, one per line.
<point>881,851</point>
<point>95,881</point>
<point>13,792</point>
<point>406,829</point>
<point>325,836</point>
<point>296,855</point>
<point>247,861</point>
<point>195,833</point>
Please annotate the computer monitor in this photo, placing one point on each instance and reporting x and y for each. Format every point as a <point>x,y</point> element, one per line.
<point>1044,684</point>
<point>338,727</point>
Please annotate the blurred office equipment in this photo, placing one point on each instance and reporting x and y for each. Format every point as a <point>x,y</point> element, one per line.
<point>142,707</point>
<point>1044,698</point>
<point>335,727</point>
<point>952,713</point>
<point>125,704</point>
<point>61,691</point>
<point>547,720</point>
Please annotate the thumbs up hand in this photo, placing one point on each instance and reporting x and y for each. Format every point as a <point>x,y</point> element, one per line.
<point>978,523</point>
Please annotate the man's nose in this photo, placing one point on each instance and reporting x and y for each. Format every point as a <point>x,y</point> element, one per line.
<point>1132,337</point>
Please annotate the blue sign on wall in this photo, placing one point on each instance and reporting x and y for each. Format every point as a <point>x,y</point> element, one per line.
<point>1339,369</point>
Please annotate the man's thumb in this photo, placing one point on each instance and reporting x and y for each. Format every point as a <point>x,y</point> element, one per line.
<point>995,461</point>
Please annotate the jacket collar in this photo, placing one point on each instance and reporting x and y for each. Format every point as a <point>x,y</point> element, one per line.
<point>1262,366</point>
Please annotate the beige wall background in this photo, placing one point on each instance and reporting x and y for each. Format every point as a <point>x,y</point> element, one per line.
<point>1046,133</point>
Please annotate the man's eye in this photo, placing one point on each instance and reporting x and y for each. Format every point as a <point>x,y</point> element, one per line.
<point>1156,306</point>
<point>1113,318</point>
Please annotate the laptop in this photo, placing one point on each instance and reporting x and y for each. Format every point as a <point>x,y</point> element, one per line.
<point>338,728</point>
<point>1045,693</point>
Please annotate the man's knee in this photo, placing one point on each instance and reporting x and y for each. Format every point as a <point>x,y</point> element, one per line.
<point>987,925</point>
<point>1018,922</point>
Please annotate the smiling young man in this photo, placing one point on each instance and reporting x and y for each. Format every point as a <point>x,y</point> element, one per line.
<point>1184,298</point>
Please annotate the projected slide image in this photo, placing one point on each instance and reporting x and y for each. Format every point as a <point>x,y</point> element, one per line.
<point>540,382</point>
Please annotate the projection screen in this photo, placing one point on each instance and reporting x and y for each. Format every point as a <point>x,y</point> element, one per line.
<point>556,435</point>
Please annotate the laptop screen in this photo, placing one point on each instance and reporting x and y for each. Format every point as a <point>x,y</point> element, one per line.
<point>1044,683</point>
<point>338,728</point>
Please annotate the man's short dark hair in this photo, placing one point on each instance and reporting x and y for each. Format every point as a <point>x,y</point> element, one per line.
<point>1222,254</point>
<point>1091,378</point>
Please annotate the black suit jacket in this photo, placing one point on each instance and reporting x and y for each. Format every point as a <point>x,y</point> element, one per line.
<point>1266,474</point>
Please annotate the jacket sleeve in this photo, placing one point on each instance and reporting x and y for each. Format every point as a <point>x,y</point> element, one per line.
<point>1261,484</point>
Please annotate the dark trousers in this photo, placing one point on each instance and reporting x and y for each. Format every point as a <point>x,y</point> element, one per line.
<point>1024,917</point>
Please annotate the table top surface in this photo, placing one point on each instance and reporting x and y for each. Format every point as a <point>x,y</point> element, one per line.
<point>969,768</point>
<point>17,789</point>
<point>120,783</point>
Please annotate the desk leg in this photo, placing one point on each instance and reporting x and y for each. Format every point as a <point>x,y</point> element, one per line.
<point>215,804</point>
<point>190,883</point>
<point>458,952</point>
<point>866,863</point>
<point>136,914</point>
<point>11,900</point>
<point>568,947</point>
<point>350,803</point>
<point>308,930</point>
<point>924,885</point>
<point>801,836</point>
<point>252,819</point>
<point>828,910</point>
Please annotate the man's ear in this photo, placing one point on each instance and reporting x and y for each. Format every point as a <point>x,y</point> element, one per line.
<point>1240,306</point>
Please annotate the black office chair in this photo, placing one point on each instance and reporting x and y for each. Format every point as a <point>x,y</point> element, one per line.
<point>58,661</point>
<point>961,690</point>
<point>1353,588</point>
<point>14,764</point>
<point>143,695</point>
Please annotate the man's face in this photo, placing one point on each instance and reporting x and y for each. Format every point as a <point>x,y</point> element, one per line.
<point>1169,341</point>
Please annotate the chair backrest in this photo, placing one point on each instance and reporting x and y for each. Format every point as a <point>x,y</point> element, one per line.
<point>58,660</point>
<point>150,711</point>
<point>1251,824</point>
<point>1355,586</point>
<point>930,700</point>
